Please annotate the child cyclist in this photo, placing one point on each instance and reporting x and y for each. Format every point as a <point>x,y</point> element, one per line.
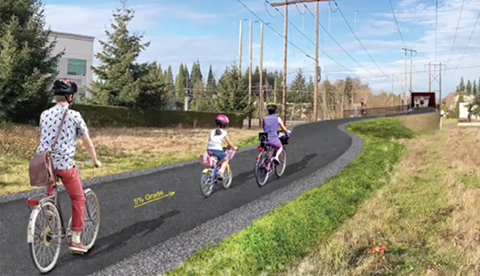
<point>271,124</point>
<point>215,141</point>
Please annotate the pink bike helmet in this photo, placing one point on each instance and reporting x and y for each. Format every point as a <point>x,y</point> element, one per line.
<point>222,120</point>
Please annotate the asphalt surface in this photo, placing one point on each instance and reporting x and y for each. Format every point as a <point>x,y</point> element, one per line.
<point>126,231</point>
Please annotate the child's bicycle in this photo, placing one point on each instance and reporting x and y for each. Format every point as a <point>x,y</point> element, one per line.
<point>210,175</point>
<point>264,164</point>
<point>46,227</point>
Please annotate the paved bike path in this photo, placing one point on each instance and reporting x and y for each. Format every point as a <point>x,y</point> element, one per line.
<point>126,230</point>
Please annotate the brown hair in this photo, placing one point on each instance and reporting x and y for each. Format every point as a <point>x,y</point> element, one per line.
<point>218,131</point>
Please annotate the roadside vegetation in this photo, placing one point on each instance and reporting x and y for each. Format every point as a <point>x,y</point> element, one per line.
<point>119,150</point>
<point>287,233</point>
<point>423,222</point>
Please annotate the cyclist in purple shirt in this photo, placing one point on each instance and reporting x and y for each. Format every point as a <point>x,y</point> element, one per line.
<point>271,124</point>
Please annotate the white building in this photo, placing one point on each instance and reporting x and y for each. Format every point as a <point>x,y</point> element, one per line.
<point>77,60</point>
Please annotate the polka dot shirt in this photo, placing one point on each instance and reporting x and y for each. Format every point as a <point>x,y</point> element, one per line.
<point>73,127</point>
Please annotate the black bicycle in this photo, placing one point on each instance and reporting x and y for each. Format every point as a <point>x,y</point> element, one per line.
<point>265,164</point>
<point>46,227</point>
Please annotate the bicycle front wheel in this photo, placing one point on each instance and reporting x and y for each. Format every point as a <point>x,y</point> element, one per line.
<point>228,177</point>
<point>91,220</point>
<point>280,169</point>
<point>47,236</point>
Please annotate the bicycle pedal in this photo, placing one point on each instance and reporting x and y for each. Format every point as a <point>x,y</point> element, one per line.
<point>78,252</point>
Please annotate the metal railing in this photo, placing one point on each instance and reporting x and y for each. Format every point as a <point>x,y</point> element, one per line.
<point>376,111</point>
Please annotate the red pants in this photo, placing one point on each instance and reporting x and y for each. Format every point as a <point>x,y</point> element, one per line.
<point>73,185</point>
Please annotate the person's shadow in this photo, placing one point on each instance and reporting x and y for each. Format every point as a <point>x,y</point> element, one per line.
<point>119,239</point>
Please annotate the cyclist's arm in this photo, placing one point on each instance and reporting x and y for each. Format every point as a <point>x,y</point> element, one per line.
<point>282,126</point>
<point>229,142</point>
<point>89,147</point>
<point>82,133</point>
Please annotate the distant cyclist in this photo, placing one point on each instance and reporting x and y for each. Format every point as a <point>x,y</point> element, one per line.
<point>363,106</point>
<point>271,124</point>
<point>73,127</point>
<point>215,142</point>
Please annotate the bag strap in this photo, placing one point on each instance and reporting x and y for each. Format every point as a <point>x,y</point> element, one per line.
<point>59,129</point>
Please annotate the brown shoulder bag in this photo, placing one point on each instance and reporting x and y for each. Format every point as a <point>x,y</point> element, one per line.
<point>40,168</point>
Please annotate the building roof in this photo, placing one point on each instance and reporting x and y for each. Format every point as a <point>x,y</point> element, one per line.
<point>72,36</point>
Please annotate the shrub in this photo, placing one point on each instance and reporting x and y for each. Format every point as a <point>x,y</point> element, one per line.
<point>113,116</point>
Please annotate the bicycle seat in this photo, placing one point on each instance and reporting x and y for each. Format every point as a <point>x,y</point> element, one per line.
<point>210,153</point>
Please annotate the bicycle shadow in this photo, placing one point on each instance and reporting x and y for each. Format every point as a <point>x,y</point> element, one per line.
<point>122,238</point>
<point>242,178</point>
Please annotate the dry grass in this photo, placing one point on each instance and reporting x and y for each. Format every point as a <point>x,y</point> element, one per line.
<point>119,150</point>
<point>427,217</point>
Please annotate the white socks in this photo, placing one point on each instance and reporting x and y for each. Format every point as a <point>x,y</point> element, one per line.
<point>76,236</point>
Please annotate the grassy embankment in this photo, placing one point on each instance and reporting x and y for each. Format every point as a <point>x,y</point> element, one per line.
<point>427,217</point>
<point>118,149</point>
<point>290,231</point>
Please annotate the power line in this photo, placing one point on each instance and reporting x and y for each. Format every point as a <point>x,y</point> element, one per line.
<point>470,38</point>
<point>339,43</point>
<point>396,22</point>
<point>456,30</point>
<point>346,21</point>
<point>268,25</point>
<point>296,28</point>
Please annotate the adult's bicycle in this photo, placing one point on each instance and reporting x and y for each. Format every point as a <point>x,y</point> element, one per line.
<point>46,227</point>
<point>210,175</point>
<point>265,164</point>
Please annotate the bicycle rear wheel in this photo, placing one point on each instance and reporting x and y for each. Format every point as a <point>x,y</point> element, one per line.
<point>261,174</point>
<point>205,186</point>
<point>91,220</point>
<point>280,169</point>
<point>47,236</point>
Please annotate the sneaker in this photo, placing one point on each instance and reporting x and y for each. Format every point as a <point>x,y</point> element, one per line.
<point>78,247</point>
<point>275,159</point>
<point>220,176</point>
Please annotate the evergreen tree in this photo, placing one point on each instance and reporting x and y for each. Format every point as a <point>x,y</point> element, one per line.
<point>198,88</point>
<point>478,86</point>
<point>211,82</point>
<point>120,78</point>
<point>474,88</point>
<point>169,86</point>
<point>297,90</point>
<point>180,85</point>
<point>27,65</point>
<point>461,86</point>
<point>469,88</point>
<point>231,94</point>
<point>153,93</point>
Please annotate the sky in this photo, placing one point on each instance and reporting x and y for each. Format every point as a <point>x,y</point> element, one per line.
<point>208,31</point>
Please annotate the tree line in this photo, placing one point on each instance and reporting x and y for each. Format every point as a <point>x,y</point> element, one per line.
<point>28,68</point>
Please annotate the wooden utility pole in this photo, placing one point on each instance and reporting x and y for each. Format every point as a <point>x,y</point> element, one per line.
<point>260,108</point>
<point>440,86</point>
<point>284,92</point>
<point>315,87</point>
<point>240,43</point>
<point>250,77</point>
<point>393,90</point>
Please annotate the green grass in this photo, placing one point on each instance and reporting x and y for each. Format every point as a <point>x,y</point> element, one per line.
<point>468,179</point>
<point>289,231</point>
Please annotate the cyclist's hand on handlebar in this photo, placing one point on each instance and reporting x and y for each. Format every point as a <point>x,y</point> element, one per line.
<point>96,163</point>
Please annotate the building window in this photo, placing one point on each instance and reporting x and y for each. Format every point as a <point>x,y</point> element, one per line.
<point>77,67</point>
